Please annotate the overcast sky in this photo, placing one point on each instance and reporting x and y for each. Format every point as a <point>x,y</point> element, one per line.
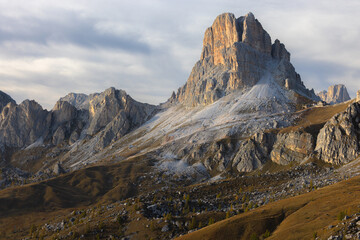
<point>148,47</point>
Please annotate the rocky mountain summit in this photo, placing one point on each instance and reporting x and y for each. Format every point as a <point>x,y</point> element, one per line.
<point>236,54</point>
<point>335,94</point>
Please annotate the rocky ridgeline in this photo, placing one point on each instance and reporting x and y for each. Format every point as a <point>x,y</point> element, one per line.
<point>335,94</point>
<point>237,53</point>
<point>108,115</point>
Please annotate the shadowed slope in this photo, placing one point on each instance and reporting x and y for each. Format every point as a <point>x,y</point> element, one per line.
<point>296,218</point>
<point>79,188</point>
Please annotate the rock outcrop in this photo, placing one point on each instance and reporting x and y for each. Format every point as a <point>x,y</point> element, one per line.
<point>236,54</point>
<point>67,123</point>
<point>4,100</point>
<point>292,147</point>
<point>21,125</point>
<point>116,113</point>
<point>335,94</point>
<point>253,153</point>
<point>338,140</point>
<point>358,96</point>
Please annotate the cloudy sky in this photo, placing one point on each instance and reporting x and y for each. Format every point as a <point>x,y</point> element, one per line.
<point>148,47</point>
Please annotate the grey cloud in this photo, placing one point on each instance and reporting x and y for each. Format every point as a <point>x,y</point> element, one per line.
<point>70,28</point>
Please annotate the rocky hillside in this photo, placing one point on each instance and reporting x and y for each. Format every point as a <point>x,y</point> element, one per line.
<point>77,117</point>
<point>237,53</point>
<point>335,94</point>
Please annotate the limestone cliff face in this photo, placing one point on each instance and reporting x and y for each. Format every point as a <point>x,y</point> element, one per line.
<point>292,147</point>
<point>335,94</point>
<point>236,54</point>
<point>115,113</point>
<point>338,140</point>
<point>253,153</point>
<point>67,123</point>
<point>23,124</point>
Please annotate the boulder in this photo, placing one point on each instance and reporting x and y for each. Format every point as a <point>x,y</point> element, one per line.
<point>58,169</point>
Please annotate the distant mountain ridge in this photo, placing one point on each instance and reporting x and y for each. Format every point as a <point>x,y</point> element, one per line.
<point>335,94</point>
<point>112,113</point>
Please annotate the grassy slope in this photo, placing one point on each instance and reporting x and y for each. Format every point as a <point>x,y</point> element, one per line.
<point>314,118</point>
<point>294,218</point>
<point>79,188</point>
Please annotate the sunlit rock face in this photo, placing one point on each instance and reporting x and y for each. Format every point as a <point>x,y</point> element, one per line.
<point>236,54</point>
<point>338,140</point>
<point>335,94</point>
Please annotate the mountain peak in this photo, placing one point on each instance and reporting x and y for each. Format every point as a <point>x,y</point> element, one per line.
<point>250,15</point>
<point>335,94</point>
<point>4,100</point>
<point>236,54</point>
<point>227,30</point>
